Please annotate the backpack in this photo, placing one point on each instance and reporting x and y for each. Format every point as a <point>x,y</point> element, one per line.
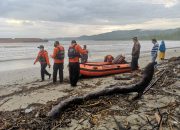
<point>72,53</point>
<point>60,54</point>
<point>119,60</point>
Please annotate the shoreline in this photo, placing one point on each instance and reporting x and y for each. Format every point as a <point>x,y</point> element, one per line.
<point>21,40</point>
<point>31,74</point>
<point>127,54</point>
<point>30,104</point>
<point>16,85</point>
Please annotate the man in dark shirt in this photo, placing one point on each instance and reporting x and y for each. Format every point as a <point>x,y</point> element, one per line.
<point>135,54</point>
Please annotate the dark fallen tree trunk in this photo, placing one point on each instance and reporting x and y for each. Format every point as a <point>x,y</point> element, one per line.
<point>139,88</point>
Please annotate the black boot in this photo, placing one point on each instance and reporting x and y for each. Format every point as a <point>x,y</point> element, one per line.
<point>49,76</point>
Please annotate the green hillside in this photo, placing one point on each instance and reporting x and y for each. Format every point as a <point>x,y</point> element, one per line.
<point>170,34</point>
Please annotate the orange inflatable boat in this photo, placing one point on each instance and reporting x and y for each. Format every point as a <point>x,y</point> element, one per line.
<point>95,69</point>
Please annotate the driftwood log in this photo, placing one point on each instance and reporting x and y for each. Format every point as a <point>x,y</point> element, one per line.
<point>148,73</point>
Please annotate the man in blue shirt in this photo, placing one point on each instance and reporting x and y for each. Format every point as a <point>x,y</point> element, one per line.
<point>154,51</point>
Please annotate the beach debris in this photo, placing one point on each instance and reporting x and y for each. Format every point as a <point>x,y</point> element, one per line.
<point>28,110</point>
<point>119,126</point>
<point>138,114</point>
<point>93,120</point>
<point>159,117</point>
<point>139,88</point>
<point>5,101</point>
<point>153,82</point>
<point>122,77</point>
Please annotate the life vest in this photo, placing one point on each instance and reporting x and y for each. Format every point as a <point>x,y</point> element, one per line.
<point>84,58</point>
<point>42,58</point>
<point>72,53</point>
<point>60,54</point>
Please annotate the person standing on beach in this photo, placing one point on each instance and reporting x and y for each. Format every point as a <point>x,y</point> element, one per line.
<point>162,50</point>
<point>84,57</point>
<point>135,54</point>
<point>58,56</point>
<point>44,61</point>
<point>74,52</point>
<point>154,51</point>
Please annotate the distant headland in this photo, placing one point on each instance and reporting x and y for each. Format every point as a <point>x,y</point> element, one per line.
<point>21,40</point>
<point>168,34</point>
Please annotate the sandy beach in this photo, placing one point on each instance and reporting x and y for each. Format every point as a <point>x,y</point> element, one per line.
<point>22,89</point>
<point>132,90</point>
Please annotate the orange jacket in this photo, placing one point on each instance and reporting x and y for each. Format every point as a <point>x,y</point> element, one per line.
<point>44,55</point>
<point>79,50</point>
<point>56,49</point>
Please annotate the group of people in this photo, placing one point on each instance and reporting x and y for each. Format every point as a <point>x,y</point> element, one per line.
<point>154,52</point>
<point>74,53</point>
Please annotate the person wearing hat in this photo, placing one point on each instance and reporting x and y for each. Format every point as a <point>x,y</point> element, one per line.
<point>74,53</point>
<point>58,56</point>
<point>154,51</point>
<point>44,61</point>
<point>135,53</point>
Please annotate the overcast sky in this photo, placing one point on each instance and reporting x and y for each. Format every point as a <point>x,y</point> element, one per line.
<point>59,18</point>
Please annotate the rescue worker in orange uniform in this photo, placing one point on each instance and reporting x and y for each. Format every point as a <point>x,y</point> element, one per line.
<point>84,58</point>
<point>44,61</point>
<point>109,58</point>
<point>74,68</point>
<point>58,56</point>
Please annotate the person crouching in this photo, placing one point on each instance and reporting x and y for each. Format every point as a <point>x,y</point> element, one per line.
<point>44,61</point>
<point>74,52</point>
<point>108,58</point>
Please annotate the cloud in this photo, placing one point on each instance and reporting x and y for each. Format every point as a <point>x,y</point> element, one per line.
<point>166,3</point>
<point>170,3</point>
<point>17,28</point>
<point>91,11</point>
<point>15,22</point>
<point>77,17</point>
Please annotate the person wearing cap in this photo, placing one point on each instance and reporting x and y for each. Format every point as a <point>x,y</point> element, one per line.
<point>154,51</point>
<point>74,53</point>
<point>44,61</point>
<point>135,53</point>
<point>58,56</point>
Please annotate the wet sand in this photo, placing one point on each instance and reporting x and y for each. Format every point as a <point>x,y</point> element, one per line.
<point>20,88</point>
<point>23,92</point>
